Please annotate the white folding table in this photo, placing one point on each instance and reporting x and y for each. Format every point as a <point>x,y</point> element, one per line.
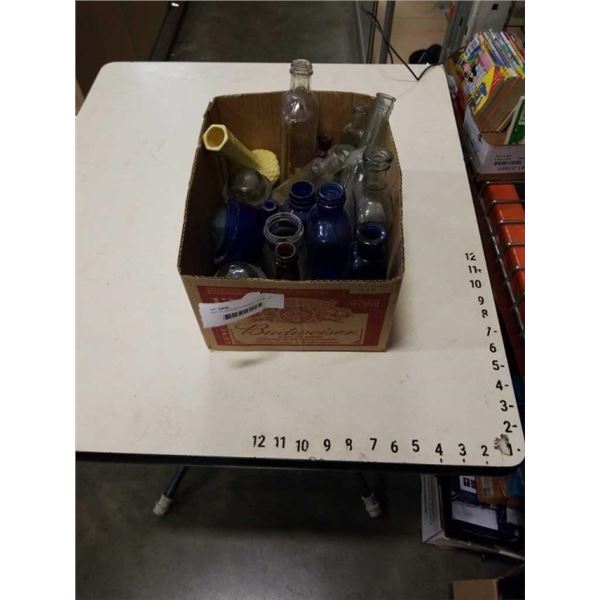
<point>147,387</point>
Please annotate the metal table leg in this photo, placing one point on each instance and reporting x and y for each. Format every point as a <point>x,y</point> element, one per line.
<point>163,504</point>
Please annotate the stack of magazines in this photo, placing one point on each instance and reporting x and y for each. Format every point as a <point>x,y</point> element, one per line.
<point>491,77</point>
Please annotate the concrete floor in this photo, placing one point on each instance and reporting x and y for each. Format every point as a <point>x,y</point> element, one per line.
<point>258,534</point>
<point>269,32</point>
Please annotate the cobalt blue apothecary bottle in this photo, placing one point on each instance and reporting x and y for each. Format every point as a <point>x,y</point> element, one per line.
<point>328,234</point>
<point>300,200</point>
<point>368,252</point>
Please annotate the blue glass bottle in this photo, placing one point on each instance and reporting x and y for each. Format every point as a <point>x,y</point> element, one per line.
<point>301,199</point>
<point>268,207</point>
<point>368,252</point>
<point>328,234</point>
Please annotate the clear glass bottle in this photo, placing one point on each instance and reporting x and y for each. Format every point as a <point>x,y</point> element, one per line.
<point>318,171</point>
<point>328,234</point>
<point>372,197</point>
<point>353,132</point>
<point>248,185</point>
<point>378,117</point>
<point>240,270</point>
<point>299,120</point>
<point>324,142</point>
<point>286,262</point>
<point>368,252</point>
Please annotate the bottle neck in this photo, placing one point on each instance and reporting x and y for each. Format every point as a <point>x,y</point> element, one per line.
<point>285,258</point>
<point>379,116</point>
<point>360,120</point>
<point>375,180</point>
<point>329,209</point>
<point>371,240</point>
<point>300,80</point>
<point>330,198</point>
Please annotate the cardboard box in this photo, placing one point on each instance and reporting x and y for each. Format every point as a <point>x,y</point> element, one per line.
<point>510,586</point>
<point>490,158</point>
<point>475,589</point>
<point>316,315</point>
<point>433,529</point>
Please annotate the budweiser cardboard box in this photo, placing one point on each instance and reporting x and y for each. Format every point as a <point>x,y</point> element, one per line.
<point>295,315</point>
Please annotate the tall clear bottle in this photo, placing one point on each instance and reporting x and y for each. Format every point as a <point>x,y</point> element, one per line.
<point>353,172</point>
<point>372,197</point>
<point>299,120</point>
<point>378,117</point>
<point>354,131</point>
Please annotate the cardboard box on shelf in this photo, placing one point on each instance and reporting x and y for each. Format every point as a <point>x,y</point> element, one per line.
<point>490,158</point>
<point>299,315</point>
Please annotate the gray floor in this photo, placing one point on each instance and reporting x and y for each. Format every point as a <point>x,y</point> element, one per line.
<point>269,32</point>
<point>257,534</point>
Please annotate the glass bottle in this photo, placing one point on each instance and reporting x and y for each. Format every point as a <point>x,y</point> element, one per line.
<point>372,197</point>
<point>248,185</point>
<point>328,233</point>
<point>299,120</point>
<point>318,171</point>
<point>324,142</point>
<point>353,132</point>
<point>286,261</point>
<point>301,199</point>
<point>282,227</point>
<point>368,252</point>
<point>267,208</point>
<point>378,117</point>
<point>240,270</point>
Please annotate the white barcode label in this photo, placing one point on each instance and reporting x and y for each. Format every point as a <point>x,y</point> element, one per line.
<point>216,314</point>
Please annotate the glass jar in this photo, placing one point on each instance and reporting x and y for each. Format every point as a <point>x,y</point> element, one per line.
<point>353,132</point>
<point>300,200</point>
<point>282,227</point>
<point>372,197</point>
<point>328,233</point>
<point>368,252</point>
<point>286,262</point>
<point>299,120</point>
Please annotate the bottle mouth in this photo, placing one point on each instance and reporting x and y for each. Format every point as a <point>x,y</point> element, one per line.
<point>302,194</point>
<point>331,195</point>
<point>285,252</point>
<point>283,227</point>
<point>377,158</point>
<point>372,234</point>
<point>301,66</point>
<point>385,99</point>
<point>269,205</point>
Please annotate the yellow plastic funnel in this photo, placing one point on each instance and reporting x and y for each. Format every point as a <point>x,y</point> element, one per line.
<point>217,138</point>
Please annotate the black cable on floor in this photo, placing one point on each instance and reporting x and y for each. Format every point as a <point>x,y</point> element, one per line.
<point>391,48</point>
